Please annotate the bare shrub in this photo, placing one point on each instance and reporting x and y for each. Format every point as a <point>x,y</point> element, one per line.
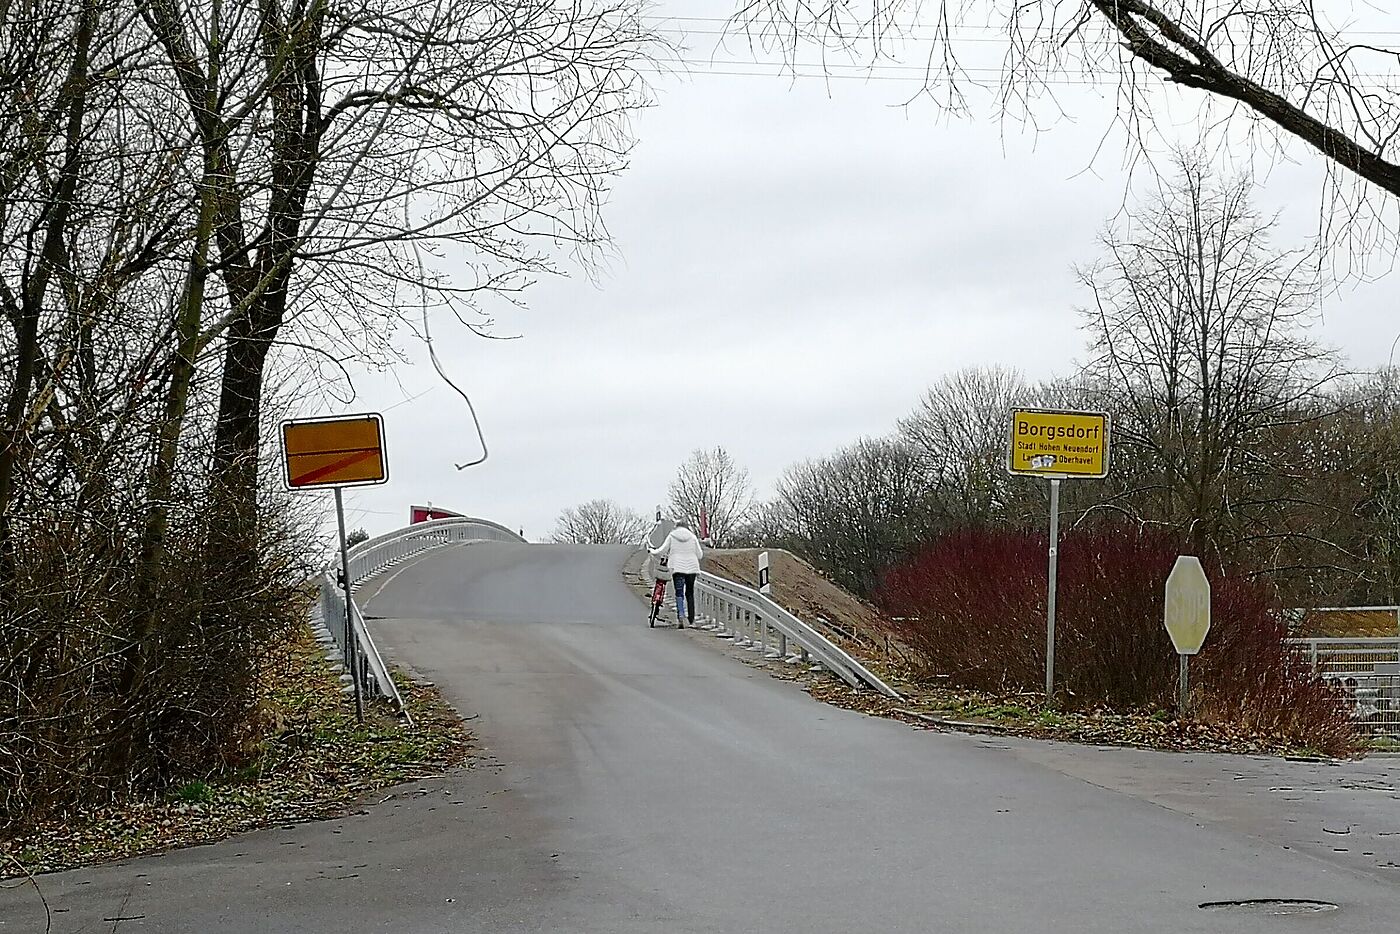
<point>74,730</point>
<point>972,607</point>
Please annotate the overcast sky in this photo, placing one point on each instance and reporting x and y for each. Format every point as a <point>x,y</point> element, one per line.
<point>796,264</point>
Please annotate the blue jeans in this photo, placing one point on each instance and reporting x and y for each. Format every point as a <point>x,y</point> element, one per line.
<point>685,596</point>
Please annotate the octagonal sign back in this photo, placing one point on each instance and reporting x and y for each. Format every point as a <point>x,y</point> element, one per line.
<point>1187,615</point>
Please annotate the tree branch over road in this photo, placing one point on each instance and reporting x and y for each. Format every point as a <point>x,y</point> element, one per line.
<point>1289,66</point>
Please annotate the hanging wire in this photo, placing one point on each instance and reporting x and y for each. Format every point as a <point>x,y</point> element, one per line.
<point>437,364</point>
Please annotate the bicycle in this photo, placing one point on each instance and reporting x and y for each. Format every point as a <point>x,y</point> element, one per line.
<point>658,588</point>
<point>658,598</point>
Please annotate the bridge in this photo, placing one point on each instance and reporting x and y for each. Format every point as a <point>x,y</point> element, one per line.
<point>645,780</point>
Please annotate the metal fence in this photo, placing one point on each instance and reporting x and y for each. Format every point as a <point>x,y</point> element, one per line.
<point>363,662</point>
<point>368,558</point>
<point>1367,670</point>
<point>754,621</point>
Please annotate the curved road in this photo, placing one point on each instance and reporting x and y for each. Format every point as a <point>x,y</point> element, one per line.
<point>639,780</point>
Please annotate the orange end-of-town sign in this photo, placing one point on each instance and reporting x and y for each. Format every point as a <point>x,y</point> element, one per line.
<point>341,451</point>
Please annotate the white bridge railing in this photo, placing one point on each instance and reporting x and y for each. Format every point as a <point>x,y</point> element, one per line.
<point>1367,670</point>
<point>363,661</point>
<point>756,622</point>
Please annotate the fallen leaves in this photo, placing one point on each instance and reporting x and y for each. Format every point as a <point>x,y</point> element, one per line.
<point>1027,715</point>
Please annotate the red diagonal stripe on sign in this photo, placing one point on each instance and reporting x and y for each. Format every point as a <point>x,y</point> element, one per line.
<point>312,476</point>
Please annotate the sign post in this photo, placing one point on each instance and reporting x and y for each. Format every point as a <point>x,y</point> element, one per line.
<point>1052,587</point>
<point>336,453</point>
<point>1057,444</point>
<point>1186,617</point>
<point>765,587</point>
<point>352,653</point>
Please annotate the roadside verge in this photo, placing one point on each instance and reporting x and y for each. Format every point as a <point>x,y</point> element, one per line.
<point>315,762</point>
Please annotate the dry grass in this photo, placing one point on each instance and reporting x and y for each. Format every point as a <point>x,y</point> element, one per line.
<point>315,762</point>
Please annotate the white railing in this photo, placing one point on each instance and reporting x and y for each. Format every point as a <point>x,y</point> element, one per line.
<point>756,622</point>
<point>372,556</point>
<point>1367,670</point>
<point>364,662</point>
<point>367,559</point>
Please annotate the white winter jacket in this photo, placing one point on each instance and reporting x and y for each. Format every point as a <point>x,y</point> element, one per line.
<point>682,550</point>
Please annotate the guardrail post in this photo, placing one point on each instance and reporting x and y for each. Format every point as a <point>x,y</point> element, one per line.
<point>769,651</point>
<point>1312,656</point>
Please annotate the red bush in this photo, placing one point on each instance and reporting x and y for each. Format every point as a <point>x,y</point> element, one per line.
<point>971,607</point>
<point>965,607</point>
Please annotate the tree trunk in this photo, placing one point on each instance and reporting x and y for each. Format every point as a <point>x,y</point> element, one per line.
<point>52,259</point>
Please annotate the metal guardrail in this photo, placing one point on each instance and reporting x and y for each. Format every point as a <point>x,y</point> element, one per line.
<point>756,622</point>
<point>367,559</point>
<point>364,661</point>
<point>1367,670</point>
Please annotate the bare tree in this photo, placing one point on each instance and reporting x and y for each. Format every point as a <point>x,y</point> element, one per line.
<point>959,430</point>
<point>770,524</point>
<point>1199,343</point>
<point>349,149</point>
<point>599,522</point>
<point>193,197</point>
<point>1289,66</point>
<point>1333,537</point>
<point>856,513</point>
<point>711,482</point>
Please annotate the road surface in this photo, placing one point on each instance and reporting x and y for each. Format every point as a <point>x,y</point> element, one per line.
<point>640,780</point>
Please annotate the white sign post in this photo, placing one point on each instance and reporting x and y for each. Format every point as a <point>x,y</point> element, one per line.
<point>1187,616</point>
<point>764,586</point>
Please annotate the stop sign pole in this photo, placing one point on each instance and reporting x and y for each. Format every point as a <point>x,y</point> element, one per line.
<point>1186,617</point>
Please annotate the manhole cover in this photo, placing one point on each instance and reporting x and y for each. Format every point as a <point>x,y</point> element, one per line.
<point>1271,906</point>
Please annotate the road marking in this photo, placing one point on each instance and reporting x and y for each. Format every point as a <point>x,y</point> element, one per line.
<point>410,562</point>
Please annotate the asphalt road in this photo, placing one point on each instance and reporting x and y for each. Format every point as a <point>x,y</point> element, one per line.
<point>642,780</point>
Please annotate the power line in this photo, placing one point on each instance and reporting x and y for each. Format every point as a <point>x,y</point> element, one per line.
<point>733,34</point>
<point>735,28</point>
<point>893,72</point>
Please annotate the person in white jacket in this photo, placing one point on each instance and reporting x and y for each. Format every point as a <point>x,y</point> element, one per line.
<point>683,552</point>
